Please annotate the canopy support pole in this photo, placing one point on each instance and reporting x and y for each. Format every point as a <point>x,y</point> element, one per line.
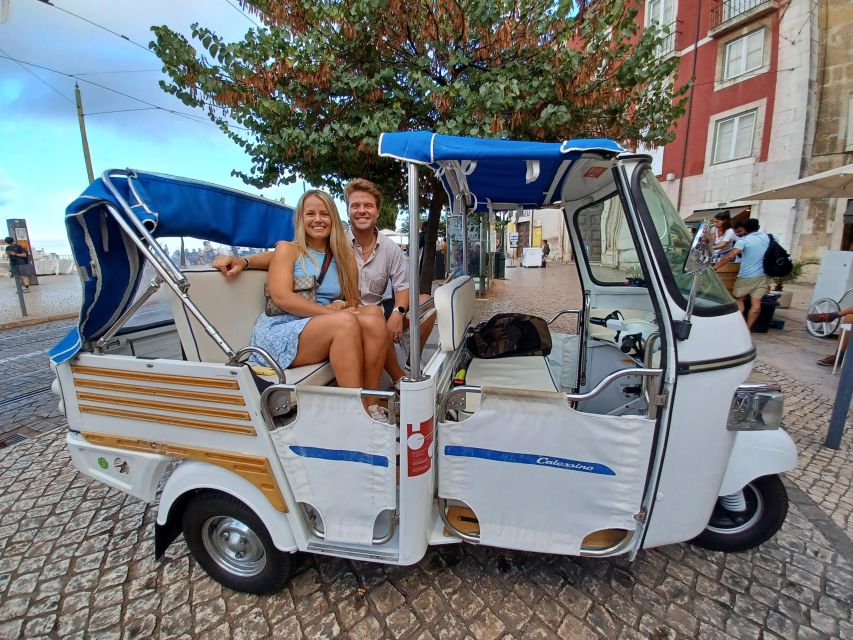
<point>178,287</point>
<point>152,288</point>
<point>414,278</point>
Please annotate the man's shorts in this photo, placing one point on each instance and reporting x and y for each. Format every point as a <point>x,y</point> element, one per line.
<point>754,287</point>
<point>19,269</point>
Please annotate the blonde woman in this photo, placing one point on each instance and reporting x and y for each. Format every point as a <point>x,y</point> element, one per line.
<point>354,340</point>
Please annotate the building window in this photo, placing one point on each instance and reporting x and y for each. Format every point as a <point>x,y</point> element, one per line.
<point>662,14</point>
<point>744,55</point>
<point>733,137</point>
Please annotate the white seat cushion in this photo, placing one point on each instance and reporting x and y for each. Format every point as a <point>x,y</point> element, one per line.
<point>454,307</point>
<point>530,373</point>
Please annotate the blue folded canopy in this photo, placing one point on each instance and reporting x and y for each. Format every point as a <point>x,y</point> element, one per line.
<point>110,264</point>
<point>529,174</point>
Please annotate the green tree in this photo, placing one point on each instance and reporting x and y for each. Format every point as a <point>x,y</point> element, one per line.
<point>310,92</point>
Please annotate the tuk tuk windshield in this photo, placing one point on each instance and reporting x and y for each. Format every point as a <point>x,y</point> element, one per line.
<point>675,240</point>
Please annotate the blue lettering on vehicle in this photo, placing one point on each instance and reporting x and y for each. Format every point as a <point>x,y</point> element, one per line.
<point>529,458</point>
<point>340,455</point>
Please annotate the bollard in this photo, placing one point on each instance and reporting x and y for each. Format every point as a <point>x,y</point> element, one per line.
<point>842,404</point>
<point>20,291</point>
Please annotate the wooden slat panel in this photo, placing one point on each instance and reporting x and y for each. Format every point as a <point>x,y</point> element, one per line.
<point>255,469</point>
<point>193,409</point>
<point>215,383</point>
<point>170,420</point>
<point>166,392</point>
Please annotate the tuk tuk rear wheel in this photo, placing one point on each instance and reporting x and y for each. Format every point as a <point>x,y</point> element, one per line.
<point>233,546</point>
<point>766,507</point>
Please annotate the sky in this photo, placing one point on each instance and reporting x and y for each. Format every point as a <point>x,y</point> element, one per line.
<point>42,168</point>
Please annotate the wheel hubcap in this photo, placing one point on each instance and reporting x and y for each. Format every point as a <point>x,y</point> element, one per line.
<point>730,522</point>
<point>233,546</point>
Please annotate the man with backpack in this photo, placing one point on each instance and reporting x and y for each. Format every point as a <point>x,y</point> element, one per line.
<point>752,280</point>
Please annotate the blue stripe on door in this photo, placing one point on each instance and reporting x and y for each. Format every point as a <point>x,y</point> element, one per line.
<point>529,458</point>
<point>341,455</point>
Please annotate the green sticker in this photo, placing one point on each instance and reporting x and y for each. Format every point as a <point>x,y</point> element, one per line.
<point>102,463</point>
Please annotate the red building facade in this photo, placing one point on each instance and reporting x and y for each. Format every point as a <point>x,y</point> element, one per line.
<point>747,118</point>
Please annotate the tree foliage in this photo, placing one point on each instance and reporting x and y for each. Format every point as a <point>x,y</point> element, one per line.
<point>310,92</point>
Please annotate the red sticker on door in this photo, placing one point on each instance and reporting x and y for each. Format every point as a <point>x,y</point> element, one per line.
<point>418,446</point>
<point>594,172</point>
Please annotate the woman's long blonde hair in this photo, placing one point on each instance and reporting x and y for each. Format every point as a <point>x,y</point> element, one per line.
<point>341,250</point>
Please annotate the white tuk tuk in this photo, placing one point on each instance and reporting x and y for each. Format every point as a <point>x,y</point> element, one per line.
<point>639,429</point>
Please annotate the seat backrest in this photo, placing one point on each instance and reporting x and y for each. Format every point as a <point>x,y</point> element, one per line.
<point>231,305</point>
<point>454,308</point>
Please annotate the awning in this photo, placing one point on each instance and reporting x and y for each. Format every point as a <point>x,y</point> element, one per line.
<point>835,183</point>
<point>495,171</point>
<point>740,212</point>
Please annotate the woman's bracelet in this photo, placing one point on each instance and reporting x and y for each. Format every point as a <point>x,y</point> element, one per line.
<point>246,263</point>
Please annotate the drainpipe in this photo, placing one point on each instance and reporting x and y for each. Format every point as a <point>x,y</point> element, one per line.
<point>682,177</point>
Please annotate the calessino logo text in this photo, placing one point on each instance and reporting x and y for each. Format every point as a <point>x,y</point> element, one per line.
<point>564,464</point>
<point>534,459</point>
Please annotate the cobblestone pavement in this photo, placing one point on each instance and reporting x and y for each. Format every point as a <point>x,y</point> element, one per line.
<point>76,561</point>
<point>54,295</point>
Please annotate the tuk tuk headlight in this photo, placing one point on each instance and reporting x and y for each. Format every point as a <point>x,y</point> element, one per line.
<point>756,407</point>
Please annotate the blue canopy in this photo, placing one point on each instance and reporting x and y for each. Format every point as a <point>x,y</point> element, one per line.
<point>529,174</point>
<point>109,263</point>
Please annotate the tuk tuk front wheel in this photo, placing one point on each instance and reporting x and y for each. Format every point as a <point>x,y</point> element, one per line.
<point>233,546</point>
<point>731,531</point>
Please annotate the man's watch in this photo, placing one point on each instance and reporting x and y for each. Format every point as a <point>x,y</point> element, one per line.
<point>401,310</point>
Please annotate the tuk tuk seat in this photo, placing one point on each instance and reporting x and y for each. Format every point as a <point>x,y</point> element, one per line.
<point>454,309</point>
<point>232,306</point>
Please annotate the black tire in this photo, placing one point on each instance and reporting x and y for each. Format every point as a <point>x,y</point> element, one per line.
<point>766,508</point>
<point>233,546</point>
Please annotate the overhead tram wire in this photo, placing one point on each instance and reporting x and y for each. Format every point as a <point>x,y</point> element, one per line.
<point>99,26</point>
<point>34,75</point>
<point>188,116</point>
<point>244,14</point>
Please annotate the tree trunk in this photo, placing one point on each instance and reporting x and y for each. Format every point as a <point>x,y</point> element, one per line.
<point>436,204</point>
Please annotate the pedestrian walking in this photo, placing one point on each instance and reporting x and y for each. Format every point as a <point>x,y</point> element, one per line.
<point>546,251</point>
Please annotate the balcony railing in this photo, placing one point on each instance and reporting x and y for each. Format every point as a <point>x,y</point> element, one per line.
<point>667,44</point>
<point>730,10</point>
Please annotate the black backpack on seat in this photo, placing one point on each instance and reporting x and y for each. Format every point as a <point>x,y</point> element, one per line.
<point>510,334</point>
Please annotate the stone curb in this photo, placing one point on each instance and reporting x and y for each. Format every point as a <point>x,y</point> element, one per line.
<point>26,322</point>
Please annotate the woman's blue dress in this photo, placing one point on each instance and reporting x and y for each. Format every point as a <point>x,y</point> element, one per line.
<point>279,335</point>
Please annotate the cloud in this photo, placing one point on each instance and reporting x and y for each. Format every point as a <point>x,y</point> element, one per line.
<point>8,189</point>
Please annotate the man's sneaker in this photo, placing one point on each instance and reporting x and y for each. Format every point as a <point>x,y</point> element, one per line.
<point>380,414</point>
<point>829,361</point>
<point>26,289</point>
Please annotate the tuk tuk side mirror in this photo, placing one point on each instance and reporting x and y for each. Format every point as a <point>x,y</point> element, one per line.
<point>699,257</point>
<point>697,262</point>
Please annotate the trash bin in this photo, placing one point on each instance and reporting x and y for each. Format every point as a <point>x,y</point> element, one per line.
<point>500,265</point>
<point>768,307</point>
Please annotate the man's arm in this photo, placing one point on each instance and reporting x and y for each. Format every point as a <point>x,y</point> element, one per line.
<point>230,266</point>
<point>731,255</point>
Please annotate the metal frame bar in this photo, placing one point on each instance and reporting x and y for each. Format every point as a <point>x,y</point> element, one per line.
<point>152,288</point>
<point>170,274</point>
<point>415,374</point>
<point>570,397</point>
